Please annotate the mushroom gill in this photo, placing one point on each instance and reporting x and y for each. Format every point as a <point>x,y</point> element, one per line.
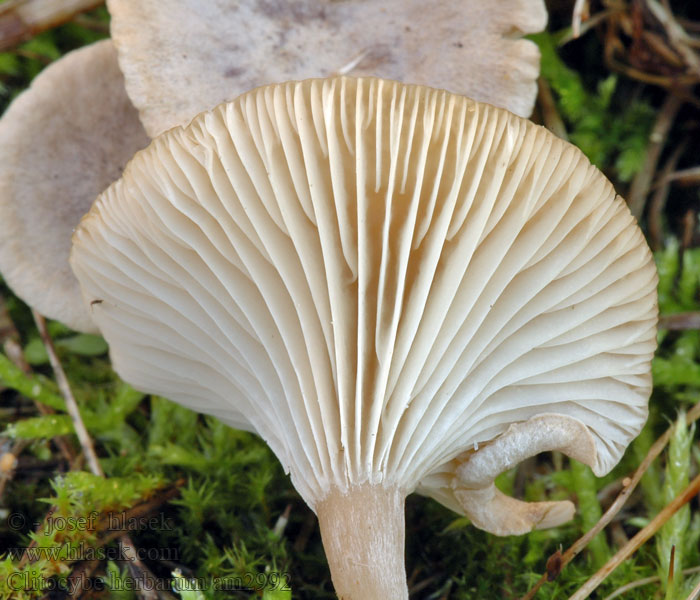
<point>384,281</point>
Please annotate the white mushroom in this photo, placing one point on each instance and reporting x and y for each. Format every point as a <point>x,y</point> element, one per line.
<point>379,278</point>
<point>61,143</point>
<point>181,57</point>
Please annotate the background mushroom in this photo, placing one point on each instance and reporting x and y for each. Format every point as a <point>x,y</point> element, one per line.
<point>379,279</point>
<point>77,128</point>
<point>61,143</point>
<point>192,55</point>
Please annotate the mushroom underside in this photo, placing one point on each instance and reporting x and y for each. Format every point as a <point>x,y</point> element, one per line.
<point>375,277</point>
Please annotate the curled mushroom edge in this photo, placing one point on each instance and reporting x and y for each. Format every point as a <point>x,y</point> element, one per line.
<point>466,484</point>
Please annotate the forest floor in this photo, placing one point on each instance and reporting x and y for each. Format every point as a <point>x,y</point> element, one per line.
<point>213,504</point>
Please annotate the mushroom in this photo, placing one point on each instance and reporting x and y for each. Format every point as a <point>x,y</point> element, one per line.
<point>396,287</point>
<point>59,150</point>
<point>194,55</point>
<point>61,143</point>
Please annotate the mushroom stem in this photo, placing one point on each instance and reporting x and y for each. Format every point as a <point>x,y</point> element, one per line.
<point>363,531</point>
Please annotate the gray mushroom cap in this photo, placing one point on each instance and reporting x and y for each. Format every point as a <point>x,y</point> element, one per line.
<point>181,57</point>
<point>61,143</point>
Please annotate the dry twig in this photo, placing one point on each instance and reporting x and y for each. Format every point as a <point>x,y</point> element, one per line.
<point>136,512</point>
<point>688,229</point>
<point>642,536</point>
<point>645,581</point>
<point>677,36</point>
<point>665,81</point>
<point>642,182</point>
<point>656,449</point>
<point>689,176</point>
<point>22,19</point>
<point>695,594</point>
<point>550,115</point>
<point>680,321</point>
<point>580,10</point>
<point>645,41</point>
<point>584,27</point>
<point>71,405</point>
<point>139,570</point>
<point>9,338</point>
<point>659,197</point>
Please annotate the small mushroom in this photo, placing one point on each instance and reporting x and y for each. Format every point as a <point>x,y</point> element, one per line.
<point>68,137</point>
<point>181,57</point>
<point>396,287</point>
<point>61,143</point>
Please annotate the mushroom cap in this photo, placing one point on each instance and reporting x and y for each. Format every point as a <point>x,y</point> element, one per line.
<point>376,277</point>
<point>219,49</point>
<point>62,142</point>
